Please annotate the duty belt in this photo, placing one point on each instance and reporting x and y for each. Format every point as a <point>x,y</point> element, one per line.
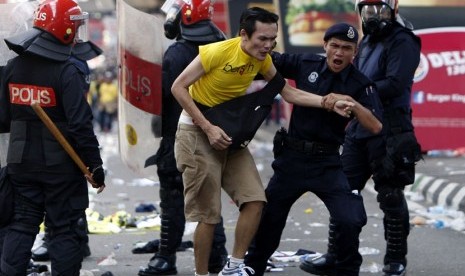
<point>310,147</point>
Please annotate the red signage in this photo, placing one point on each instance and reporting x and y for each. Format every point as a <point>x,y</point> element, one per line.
<point>438,93</point>
<point>142,82</point>
<point>26,94</point>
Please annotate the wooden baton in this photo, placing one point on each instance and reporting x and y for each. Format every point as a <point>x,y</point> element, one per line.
<point>62,140</point>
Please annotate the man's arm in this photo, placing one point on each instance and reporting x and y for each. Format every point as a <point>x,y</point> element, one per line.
<point>302,98</point>
<point>180,89</point>
<point>366,118</point>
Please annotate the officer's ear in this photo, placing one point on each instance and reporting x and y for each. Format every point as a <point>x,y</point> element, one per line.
<point>325,45</point>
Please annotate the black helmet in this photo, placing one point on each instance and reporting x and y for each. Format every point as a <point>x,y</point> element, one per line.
<point>377,15</point>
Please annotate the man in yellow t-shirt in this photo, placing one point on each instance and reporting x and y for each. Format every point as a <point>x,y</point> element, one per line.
<point>223,71</point>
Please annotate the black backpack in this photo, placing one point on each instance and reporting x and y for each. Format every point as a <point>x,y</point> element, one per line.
<point>241,117</point>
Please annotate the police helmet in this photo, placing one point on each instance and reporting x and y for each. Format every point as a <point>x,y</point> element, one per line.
<point>63,19</point>
<point>191,20</point>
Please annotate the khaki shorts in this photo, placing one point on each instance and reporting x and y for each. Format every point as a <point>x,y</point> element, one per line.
<point>206,170</point>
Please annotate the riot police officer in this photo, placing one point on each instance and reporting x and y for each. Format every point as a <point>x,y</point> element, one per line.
<point>45,179</point>
<point>307,157</point>
<point>82,52</point>
<point>191,26</point>
<point>389,54</point>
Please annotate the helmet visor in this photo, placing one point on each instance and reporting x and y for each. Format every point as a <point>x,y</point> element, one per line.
<point>379,12</point>
<point>390,3</point>
<point>172,8</point>
<point>81,20</point>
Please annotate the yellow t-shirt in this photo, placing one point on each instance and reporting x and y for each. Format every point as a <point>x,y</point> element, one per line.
<point>229,72</point>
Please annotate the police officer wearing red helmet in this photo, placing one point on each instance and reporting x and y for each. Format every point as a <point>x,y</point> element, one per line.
<point>80,54</point>
<point>46,180</point>
<point>190,24</point>
<point>389,55</point>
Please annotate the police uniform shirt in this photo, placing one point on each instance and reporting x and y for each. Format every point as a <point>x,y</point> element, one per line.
<point>312,74</point>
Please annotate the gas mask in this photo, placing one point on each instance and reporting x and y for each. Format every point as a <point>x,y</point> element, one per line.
<point>376,19</point>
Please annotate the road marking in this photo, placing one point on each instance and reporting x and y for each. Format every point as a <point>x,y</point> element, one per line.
<point>442,198</point>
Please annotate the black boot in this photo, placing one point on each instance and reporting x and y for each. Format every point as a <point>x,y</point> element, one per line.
<point>326,263</point>
<point>172,226</point>
<point>396,230</point>
<point>396,246</point>
<point>160,265</point>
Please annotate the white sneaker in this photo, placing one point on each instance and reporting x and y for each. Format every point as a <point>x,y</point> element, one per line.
<point>241,270</point>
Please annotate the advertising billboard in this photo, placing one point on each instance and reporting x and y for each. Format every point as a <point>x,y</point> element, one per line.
<point>438,92</point>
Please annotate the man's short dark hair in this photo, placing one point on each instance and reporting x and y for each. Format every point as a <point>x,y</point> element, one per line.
<point>254,14</point>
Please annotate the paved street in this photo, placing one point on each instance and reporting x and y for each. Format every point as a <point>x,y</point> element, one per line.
<point>432,251</point>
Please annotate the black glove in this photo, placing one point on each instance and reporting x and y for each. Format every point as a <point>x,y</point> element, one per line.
<point>98,175</point>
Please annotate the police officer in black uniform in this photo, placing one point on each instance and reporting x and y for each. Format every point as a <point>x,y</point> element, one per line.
<point>389,54</point>
<point>307,157</point>
<point>46,181</point>
<point>81,53</point>
<point>191,25</point>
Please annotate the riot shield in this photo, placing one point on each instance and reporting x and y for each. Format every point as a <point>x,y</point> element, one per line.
<point>141,44</point>
<point>14,19</point>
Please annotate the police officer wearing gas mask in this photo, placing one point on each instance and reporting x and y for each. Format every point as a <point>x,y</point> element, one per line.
<point>45,179</point>
<point>191,26</point>
<point>389,54</point>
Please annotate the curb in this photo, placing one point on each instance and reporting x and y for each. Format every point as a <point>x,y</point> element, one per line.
<point>439,192</point>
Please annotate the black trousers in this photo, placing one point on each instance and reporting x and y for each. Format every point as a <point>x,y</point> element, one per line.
<point>358,158</point>
<point>62,198</point>
<point>296,173</point>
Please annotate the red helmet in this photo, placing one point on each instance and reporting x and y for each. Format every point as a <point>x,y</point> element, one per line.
<point>61,18</point>
<point>197,10</point>
<point>393,4</point>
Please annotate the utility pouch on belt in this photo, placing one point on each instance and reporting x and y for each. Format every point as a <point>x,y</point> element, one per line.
<point>278,141</point>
